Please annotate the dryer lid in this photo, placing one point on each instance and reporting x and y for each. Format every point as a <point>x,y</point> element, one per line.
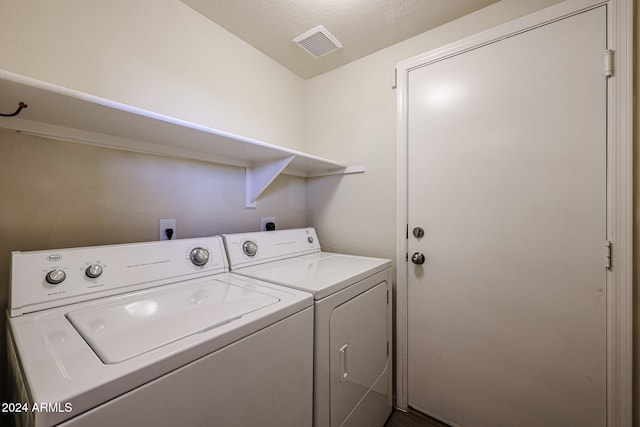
<point>321,274</point>
<point>132,325</point>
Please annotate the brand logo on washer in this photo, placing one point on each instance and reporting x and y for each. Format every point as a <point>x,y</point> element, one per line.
<point>54,257</point>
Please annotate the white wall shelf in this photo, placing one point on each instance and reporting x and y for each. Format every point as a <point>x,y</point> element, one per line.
<point>61,113</point>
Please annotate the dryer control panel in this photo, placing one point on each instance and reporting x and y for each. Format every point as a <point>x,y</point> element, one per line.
<point>247,249</point>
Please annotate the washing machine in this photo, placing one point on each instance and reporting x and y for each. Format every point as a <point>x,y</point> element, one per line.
<point>353,333</point>
<point>155,333</point>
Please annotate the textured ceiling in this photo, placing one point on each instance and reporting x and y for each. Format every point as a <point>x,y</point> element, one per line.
<point>362,26</point>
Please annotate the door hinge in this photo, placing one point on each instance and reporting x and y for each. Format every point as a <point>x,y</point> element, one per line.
<point>407,233</point>
<point>607,254</point>
<point>406,257</point>
<point>608,63</point>
<point>387,348</point>
<point>387,296</point>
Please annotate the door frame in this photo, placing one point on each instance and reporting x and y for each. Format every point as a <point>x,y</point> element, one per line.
<point>619,191</point>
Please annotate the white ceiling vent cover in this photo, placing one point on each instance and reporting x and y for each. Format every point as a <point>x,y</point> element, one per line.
<point>318,41</point>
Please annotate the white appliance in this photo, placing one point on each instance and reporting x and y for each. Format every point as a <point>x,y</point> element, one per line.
<point>155,333</point>
<point>353,333</point>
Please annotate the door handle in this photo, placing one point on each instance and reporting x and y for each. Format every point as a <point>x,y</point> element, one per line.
<point>343,363</point>
<point>417,258</point>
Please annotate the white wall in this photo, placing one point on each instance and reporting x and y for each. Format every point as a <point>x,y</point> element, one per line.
<point>158,55</point>
<point>351,117</point>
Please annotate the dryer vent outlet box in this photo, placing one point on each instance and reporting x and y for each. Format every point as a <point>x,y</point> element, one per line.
<point>318,41</point>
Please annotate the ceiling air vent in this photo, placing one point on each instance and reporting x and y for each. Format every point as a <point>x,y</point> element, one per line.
<point>318,41</point>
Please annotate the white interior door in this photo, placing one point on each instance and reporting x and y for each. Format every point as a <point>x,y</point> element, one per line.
<point>507,177</point>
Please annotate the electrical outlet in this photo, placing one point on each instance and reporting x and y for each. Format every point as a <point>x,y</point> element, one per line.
<point>167,224</point>
<point>264,221</point>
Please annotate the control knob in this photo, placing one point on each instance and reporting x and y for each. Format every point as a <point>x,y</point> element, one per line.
<point>199,256</point>
<point>250,248</point>
<point>93,271</point>
<point>55,277</point>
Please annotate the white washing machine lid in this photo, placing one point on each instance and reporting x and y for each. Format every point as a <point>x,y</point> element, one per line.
<point>132,325</point>
<point>60,364</point>
<point>321,274</point>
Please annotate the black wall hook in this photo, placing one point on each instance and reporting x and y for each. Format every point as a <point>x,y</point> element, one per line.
<point>21,105</point>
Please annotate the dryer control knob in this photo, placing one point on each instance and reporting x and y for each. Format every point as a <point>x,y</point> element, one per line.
<point>199,256</point>
<point>250,248</point>
<point>93,271</point>
<point>55,277</point>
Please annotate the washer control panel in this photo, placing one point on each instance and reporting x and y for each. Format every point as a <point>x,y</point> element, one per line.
<point>46,279</point>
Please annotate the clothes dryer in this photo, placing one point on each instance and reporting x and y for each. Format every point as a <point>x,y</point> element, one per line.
<point>353,332</point>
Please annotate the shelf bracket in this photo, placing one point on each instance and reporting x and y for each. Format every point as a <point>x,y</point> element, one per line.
<point>259,177</point>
